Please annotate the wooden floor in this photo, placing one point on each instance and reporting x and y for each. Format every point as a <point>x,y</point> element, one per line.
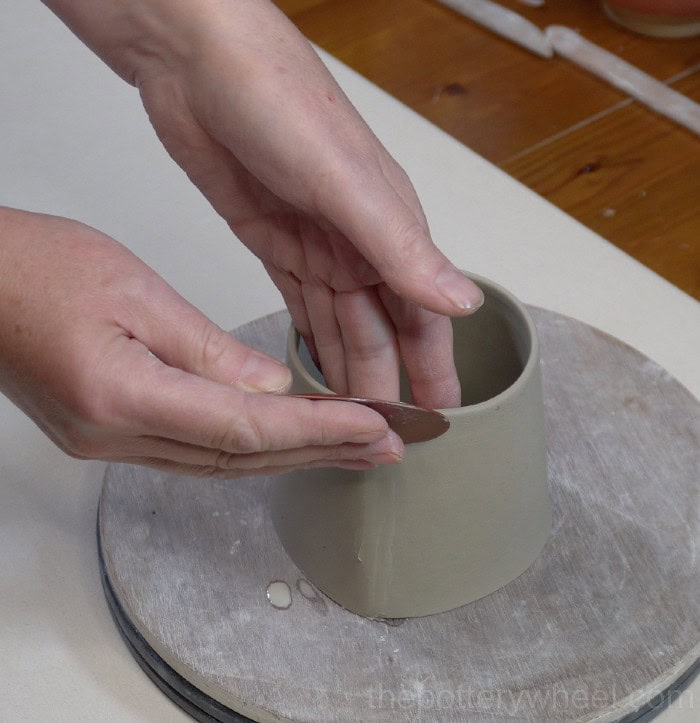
<point>623,171</point>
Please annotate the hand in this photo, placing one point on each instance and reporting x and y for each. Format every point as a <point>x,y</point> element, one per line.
<point>112,364</point>
<point>245,106</point>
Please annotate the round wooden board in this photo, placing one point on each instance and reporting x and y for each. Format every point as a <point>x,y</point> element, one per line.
<point>599,628</point>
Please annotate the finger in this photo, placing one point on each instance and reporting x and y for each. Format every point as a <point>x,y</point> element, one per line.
<point>290,288</point>
<point>186,470</point>
<point>383,451</point>
<point>369,341</point>
<point>181,336</point>
<point>425,341</point>
<point>166,402</point>
<point>327,336</point>
<point>385,229</point>
<point>200,347</point>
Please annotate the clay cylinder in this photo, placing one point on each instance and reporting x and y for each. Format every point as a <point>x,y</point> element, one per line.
<point>462,515</point>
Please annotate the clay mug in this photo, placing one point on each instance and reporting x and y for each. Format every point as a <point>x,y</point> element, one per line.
<point>462,515</point>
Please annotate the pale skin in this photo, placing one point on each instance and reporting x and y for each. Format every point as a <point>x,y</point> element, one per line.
<point>112,364</point>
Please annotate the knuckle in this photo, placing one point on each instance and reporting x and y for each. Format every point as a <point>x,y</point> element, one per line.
<point>245,439</point>
<point>367,351</point>
<point>223,460</point>
<point>417,323</point>
<point>75,441</point>
<point>412,236</point>
<point>321,432</point>
<point>215,346</point>
<point>243,435</point>
<point>230,462</point>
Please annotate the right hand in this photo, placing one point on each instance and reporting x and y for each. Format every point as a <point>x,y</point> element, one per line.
<point>245,106</point>
<point>111,363</point>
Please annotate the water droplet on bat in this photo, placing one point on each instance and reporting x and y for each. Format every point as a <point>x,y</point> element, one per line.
<point>279,595</point>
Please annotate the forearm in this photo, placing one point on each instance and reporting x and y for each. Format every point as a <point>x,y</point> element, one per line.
<point>132,36</point>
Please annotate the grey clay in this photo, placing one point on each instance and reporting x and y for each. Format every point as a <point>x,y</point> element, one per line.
<point>462,515</point>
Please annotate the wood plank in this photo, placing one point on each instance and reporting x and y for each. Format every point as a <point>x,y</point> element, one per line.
<point>490,94</point>
<point>634,178</point>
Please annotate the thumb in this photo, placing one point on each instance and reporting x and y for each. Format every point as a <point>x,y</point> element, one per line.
<point>181,336</point>
<point>387,226</point>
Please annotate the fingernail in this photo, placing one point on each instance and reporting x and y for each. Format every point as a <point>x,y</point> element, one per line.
<point>386,458</point>
<point>261,373</point>
<point>387,450</point>
<point>459,290</point>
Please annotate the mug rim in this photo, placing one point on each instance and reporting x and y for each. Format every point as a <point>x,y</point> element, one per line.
<point>493,289</point>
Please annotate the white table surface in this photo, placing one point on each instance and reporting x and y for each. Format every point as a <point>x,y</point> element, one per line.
<point>74,141</point>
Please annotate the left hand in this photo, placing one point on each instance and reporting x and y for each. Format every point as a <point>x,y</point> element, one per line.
<point>111,363</point>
